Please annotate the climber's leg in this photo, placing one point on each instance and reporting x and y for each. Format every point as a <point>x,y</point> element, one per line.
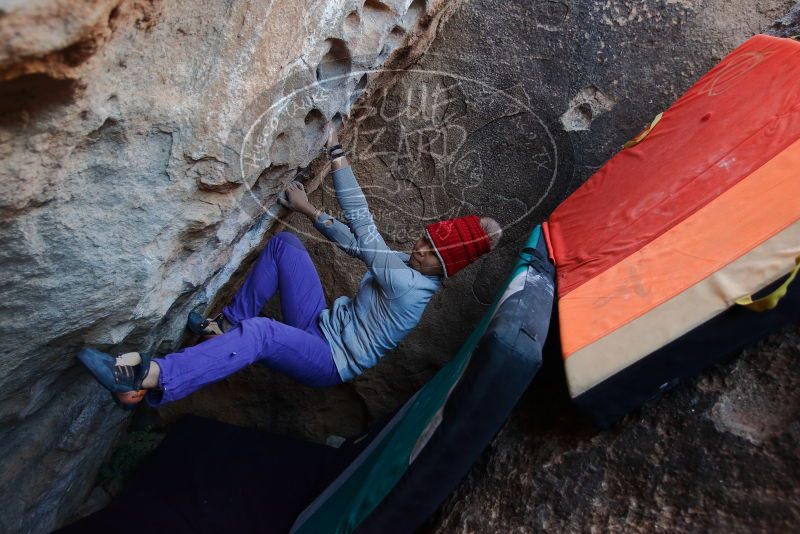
<point>284,265</point>
<point>302,297</point>
<point>304,356</point>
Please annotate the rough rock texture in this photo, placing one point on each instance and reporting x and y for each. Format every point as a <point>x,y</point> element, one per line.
<point>481,122</point>
<point>716,455</point>
<point>143,144</point>
<point>478,124</point>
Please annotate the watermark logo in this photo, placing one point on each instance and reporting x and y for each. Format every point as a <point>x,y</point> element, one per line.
<point>432,146</point>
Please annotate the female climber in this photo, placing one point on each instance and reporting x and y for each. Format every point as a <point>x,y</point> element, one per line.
<point>316,345</point>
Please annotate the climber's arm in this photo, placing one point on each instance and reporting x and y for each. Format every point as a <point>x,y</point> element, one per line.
<point>360,238</point>
<point>391,271</point>
<point>334,230</point>
<point>356,211</point>
<point>337,232</point>
<point>387,266</point>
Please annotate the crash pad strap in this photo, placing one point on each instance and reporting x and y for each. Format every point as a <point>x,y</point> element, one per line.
<point>770,301</point>
<point>639,138</point>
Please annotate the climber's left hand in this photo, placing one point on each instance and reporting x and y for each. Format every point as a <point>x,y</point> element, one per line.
<point>298,199</point>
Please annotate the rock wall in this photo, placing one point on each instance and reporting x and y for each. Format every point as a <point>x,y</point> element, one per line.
<point>513,105</point>
<point>511,108</point>
<point>718,454</point>
<point>143,144</point>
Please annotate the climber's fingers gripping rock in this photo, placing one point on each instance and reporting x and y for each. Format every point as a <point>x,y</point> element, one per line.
<point>296,195</point>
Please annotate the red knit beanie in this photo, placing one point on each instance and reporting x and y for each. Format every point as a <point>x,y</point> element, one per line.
<point>458,242</point>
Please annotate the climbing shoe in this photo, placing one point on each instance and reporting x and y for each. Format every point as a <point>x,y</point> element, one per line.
<point>208,328</point>
<point>122,376</point>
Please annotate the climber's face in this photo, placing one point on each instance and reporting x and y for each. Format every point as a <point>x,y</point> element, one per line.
<point>424,259</point>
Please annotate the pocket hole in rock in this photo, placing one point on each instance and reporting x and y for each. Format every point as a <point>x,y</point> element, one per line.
<point>413,14</point>
<point>335,65</point>
<point>375,5</point>
<point>352,19</point>
<point>279,152</point>
<point>37,94</point>
<point>315,128</point>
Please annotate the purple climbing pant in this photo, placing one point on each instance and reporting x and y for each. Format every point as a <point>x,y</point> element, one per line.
<point>295,347</point>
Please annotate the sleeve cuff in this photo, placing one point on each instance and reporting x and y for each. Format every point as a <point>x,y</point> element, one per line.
<point>320,222</point>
